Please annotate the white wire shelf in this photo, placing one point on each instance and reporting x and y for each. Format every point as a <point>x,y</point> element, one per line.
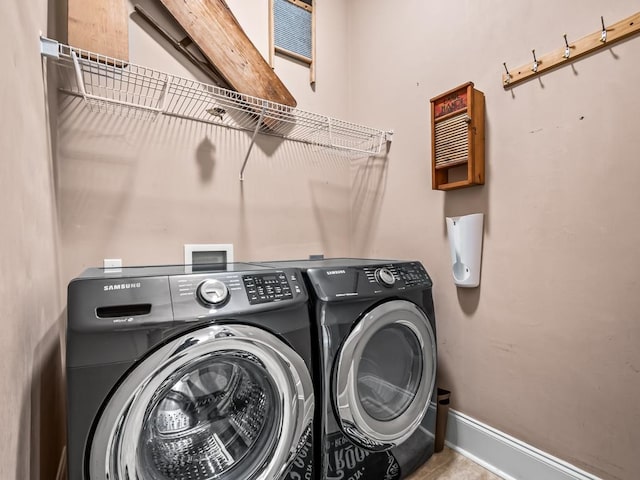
<point>118,87</point>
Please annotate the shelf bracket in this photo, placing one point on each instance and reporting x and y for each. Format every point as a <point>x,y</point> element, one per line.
<point>253,140</point>
<point>49,48</point>
<point>603,38</point>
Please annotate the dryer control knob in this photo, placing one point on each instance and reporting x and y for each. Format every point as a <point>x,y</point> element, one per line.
<point>213,292</point>
<point>385,277</point>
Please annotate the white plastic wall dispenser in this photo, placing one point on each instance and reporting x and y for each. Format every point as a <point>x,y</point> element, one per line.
<point>465,239</point>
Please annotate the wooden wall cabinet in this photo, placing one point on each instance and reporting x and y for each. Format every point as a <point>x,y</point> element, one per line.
<point>457,137</point>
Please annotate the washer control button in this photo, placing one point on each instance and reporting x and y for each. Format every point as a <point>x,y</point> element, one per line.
<point>213,292</point>
<point>385,277</point>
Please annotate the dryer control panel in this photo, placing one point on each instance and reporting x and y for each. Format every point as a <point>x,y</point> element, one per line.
<point>368,280</point>
<point>407,274</point>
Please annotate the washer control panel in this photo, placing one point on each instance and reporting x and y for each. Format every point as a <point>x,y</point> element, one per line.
<point>228,293</point>
<point>267,287</point>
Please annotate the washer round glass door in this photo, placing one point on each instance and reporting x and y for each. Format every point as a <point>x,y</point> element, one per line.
<point>384,375</point>
<point>222,402</point>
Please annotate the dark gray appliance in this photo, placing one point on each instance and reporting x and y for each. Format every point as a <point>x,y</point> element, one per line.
<point>375,331</point>
<point>174,375</point>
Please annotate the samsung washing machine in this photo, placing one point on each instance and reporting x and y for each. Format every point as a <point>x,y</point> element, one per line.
<point>176,375</point>
<point>376,334</point>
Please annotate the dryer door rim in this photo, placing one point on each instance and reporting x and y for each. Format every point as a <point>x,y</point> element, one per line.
<point>113,450</point>
<point>361,427</point>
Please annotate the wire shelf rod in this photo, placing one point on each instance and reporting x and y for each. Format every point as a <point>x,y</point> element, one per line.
<point>111,85</point>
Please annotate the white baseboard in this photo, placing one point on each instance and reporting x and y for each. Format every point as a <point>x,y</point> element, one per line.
<point>504,455</point>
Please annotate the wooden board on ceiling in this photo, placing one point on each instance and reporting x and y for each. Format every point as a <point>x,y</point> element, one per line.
<point>215,30</point>
<point>99,26</point>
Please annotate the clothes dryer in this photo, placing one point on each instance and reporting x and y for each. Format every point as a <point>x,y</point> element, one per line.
<point>376,336</point>
<point>175,375</point>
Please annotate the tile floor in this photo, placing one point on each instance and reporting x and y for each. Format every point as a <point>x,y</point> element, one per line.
<point>449,465</point>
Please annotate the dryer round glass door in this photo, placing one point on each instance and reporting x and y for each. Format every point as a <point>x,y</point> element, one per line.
<point>384,375</point>
<point>222,402</point>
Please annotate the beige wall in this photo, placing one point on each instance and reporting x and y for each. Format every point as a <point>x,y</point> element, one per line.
<point>547,348</point>
<point>140,190</point>
<point>30,290</point>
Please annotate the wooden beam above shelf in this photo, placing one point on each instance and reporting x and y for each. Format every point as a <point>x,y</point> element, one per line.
<point>584,46</point>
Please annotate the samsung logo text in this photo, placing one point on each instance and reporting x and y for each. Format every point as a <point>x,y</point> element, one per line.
<point>121,286</point>
<point>336,272</point>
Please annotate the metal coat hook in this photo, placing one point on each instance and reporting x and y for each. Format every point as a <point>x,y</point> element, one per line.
<point>534,68</point>
<point>508,79</point>
<point>567,51</point>
<point>603,35</point>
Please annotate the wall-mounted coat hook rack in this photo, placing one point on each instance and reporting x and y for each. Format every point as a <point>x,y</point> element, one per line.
<point>572,51</point>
